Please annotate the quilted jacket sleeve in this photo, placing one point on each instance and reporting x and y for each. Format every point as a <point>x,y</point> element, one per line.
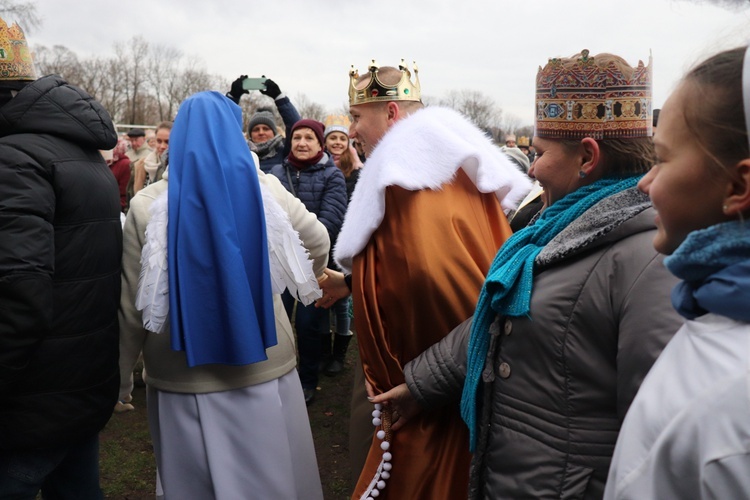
<point>27,258</point>
<point>436,376</point>
<point>333,202</point>
<point>290,116</point>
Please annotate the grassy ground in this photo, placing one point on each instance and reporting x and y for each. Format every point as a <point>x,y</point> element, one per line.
<point>128,468</point>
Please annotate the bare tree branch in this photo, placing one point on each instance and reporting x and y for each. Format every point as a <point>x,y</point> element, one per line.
<point>24,13</point>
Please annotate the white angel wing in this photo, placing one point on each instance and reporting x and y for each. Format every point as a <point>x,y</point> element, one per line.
<point>153,285</point>
<point>290,264</point>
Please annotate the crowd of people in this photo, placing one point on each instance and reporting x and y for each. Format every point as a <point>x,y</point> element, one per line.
<point>563,316</point>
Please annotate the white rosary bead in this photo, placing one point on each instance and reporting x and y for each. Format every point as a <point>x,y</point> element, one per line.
<point>385,446</point>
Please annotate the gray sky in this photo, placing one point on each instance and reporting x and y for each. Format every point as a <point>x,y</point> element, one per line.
<point>493,46</point>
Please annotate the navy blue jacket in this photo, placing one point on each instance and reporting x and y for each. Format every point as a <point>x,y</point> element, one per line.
<point>290,116</point>
<point>321,188</point>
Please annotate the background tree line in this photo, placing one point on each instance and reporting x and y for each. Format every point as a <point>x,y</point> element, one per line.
<point>144,83</point>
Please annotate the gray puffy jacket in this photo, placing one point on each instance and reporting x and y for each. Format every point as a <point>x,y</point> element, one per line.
<point>557,384</point>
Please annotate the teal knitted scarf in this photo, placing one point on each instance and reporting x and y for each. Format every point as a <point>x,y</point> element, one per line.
<point>507,289</point>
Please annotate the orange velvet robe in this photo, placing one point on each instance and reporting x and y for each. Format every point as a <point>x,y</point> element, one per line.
<point>419,277</point>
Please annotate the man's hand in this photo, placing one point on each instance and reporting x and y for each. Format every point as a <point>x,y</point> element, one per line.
<point>334,288</point>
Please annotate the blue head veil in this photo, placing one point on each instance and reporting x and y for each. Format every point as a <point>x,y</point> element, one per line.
<point>220,301</point>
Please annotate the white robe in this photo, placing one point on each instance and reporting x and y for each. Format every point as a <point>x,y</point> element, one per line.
<point>253,442</point>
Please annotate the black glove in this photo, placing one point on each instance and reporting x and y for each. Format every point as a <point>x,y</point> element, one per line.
<point>236,91</point>
<point>272,90</point>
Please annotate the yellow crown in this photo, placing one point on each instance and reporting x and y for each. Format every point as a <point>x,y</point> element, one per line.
<point>587,96</point>
<point>376,91</point>
<point>337,123</point>
<point>15,59</point>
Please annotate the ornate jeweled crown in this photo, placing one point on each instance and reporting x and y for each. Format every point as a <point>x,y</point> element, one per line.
<point>376,91</point>
<point>15,59</point>
<point>583,97</point>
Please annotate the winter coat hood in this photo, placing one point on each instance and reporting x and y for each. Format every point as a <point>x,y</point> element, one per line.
<point>51,106</point>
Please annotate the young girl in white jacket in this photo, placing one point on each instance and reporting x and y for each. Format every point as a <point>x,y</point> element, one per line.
<point>687,433</point>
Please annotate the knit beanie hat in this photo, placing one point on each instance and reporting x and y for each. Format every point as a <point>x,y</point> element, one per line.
<point>313,125</point>
<point>263,117</point>
<point>518,157</point>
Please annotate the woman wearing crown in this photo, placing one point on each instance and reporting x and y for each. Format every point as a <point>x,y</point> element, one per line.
<point>575,307</point>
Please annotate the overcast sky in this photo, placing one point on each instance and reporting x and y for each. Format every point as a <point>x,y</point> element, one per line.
<point>493,46</point>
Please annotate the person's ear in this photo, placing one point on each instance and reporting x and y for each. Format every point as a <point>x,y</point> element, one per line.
<point>737,202</point>
<point>393,112</point>
<point>590,155</point>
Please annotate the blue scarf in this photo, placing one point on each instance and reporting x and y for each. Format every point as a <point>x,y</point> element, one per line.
<point>507,289</point>
<point>220,301</point>
<point>715,266</point>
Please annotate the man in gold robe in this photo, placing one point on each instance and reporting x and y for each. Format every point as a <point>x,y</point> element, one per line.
<point>424,223</point>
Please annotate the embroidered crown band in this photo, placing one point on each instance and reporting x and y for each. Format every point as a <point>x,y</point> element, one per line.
<point>15,58</point>
<point>600,97</point>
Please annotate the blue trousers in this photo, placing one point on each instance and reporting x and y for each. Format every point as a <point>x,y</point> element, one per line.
<point>66,473</point>
<point>310,323</point>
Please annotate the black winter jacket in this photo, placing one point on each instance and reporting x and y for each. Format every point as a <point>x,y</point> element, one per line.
<point>321,188</point>
<point>60,251</point>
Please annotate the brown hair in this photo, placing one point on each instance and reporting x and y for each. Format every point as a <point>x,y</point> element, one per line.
<point>346,162</point>
<point>623,157</point>
<point>167,125</point>
<point>715,115</point>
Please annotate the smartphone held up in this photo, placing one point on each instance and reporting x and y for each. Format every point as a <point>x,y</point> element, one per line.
<point>254,83</point>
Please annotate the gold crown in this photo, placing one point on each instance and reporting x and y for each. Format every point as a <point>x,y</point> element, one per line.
<point>582,97</point>
<point>376,91</point>
<point>523,142</point>
<point>337,123</point>
<point>15,59</point>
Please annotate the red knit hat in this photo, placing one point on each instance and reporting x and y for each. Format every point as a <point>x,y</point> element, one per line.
<point>313,125</point>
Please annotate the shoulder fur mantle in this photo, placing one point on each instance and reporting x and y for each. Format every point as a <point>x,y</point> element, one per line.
<point>424,151</point>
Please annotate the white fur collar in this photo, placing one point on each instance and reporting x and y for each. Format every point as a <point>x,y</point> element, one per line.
<point>424,151</point>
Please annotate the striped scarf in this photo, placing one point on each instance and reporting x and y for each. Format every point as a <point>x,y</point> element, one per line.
<point>507,289</point>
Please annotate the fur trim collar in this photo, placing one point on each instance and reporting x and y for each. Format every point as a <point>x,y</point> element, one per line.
<point>424,151</point>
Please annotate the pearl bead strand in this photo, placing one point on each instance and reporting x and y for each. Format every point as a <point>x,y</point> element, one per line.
<point>381,418</point>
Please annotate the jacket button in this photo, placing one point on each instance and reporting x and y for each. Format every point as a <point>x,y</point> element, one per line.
<point>503,370</point>
<point>508,326</point>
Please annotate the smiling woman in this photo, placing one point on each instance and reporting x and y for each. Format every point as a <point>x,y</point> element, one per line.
<point>575,307</point>
<point>310,174</point>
